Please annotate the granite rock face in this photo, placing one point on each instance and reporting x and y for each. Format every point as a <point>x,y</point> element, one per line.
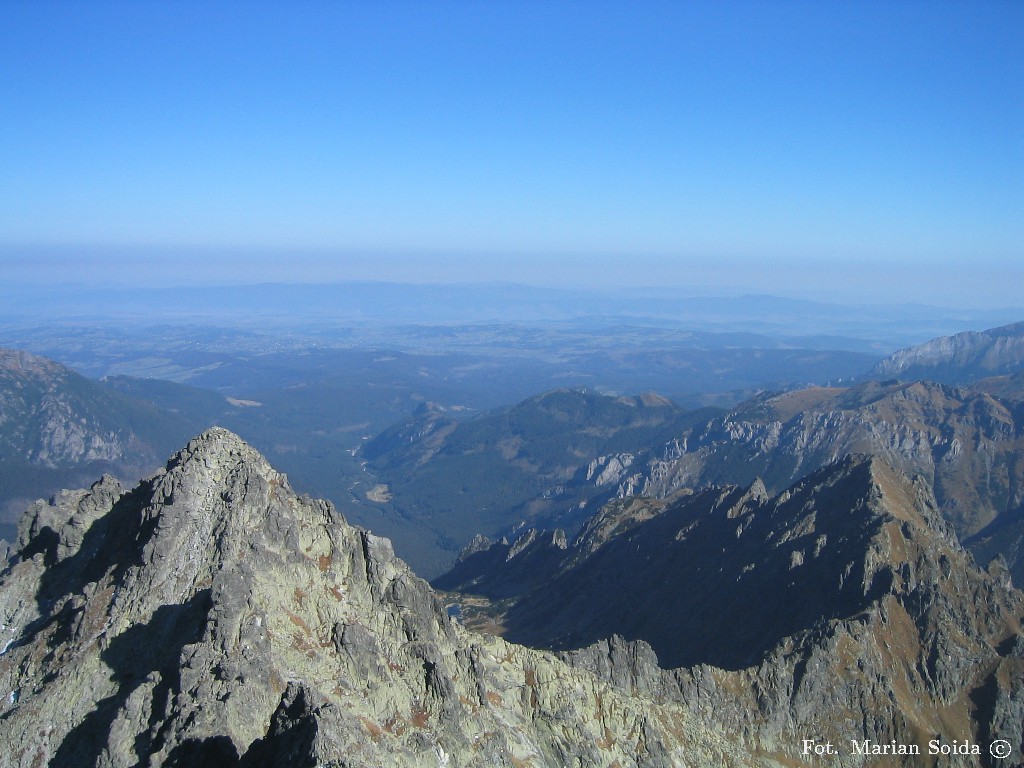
<point>210,616</point>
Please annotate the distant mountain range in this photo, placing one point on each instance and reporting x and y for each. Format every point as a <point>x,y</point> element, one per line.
<point>959,359</point>
<point>969,446</point>
<point>532,466</point>
<point>355,306</point>
<point>446,472</point>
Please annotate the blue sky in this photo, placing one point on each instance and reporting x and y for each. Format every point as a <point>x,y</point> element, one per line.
<point>658,143</point>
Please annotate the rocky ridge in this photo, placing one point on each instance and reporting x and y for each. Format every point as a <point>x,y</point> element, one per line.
<point>967,445</point>
<point>843,607</point>
<point>959,359</point>
<point>210,616</point>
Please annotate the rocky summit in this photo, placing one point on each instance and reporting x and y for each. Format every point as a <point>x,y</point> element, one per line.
<point>211,616</point>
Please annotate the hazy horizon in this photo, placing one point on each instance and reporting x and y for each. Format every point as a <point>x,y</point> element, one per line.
<point>966,286</point>
<point>843,152</point>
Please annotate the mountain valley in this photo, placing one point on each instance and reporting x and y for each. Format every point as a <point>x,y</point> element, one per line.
<point>642,582</point>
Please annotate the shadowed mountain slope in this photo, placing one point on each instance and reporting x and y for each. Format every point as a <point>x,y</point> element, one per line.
<point>968,446</point>
<point>844,605</point>
<point>489,473</point>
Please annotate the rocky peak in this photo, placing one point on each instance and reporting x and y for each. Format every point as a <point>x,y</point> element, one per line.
<point>479,543</point>
<point>217,444</point>
<point>58,527</point>
<point>212,616</point>
<point>22,362</point>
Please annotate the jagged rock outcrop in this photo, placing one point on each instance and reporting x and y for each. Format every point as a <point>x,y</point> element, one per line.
<point>843,608</point>
<point>211,616</point>
<point>967,445</point>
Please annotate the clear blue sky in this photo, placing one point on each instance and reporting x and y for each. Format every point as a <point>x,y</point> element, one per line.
<point>798,141</point>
